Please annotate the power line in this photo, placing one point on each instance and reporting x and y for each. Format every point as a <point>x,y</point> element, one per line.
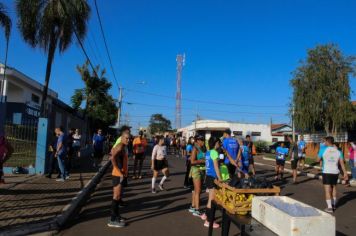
<point>106,46</point>
<point>77,36</point>
<point>202,101</point>
<point>209,110</point>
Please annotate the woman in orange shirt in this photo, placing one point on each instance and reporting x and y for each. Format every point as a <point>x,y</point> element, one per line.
<point>119,171</point>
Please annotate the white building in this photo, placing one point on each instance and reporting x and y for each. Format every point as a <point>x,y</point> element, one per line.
<point>258,132</point>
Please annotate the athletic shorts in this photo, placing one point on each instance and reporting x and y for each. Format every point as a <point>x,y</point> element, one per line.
<point>301,155</point>
<point>232,169</point>
<point>209,182</point>
<point>117,180</point>
<point>244,168</point>
<point>196,173</point>
<point>294,164</point>
<point>330,179</point>
<point>251,161</point>
<point>139,156</point>
<point>160,164</point>
<point>280,162</point>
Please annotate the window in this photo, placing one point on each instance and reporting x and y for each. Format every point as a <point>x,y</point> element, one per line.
<point>35,99</point>
<point>274,140</point>
<point>17,118</point>
<point>255,133</point>
<point>237,133</point>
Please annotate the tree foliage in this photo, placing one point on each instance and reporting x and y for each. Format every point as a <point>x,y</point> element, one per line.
<point>99,106</point>
<point>5,21</point>
<point>49,24</point>
<point>321,90</point>
<point>159,124</point>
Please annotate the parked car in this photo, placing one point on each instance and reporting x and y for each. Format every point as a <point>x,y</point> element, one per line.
<point>272,148</point>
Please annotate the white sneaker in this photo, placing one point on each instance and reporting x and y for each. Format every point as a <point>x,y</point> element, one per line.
<point>60,180</point>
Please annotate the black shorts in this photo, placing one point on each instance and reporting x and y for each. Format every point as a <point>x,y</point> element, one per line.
<point>98,154</point>
<point>117,180</point>
<point>160,164</point>
<point>140,156</point>
<point>232,169</point>
<point>209,182</point>
<point>294,163</point>
<point>251,161</point>
<point>280,162</point>
<point>330,179</point>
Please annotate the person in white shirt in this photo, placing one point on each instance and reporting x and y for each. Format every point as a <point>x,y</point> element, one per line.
<point>331,157</point>
<point>76,142</point>
<point>159,163</point>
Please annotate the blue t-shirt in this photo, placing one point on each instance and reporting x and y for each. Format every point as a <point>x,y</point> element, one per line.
<point>301,146</point>
<point>281,153</point>
<point>245,154</point>
<point>99,142</point>
<point>189,149</point>
<point>232,147</point>
<point>210,156</point>
<point>62,139</point>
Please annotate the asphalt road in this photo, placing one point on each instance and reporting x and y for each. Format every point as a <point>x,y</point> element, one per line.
<point>165,213</point>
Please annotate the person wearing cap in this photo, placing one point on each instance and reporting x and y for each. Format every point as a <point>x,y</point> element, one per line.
<point>231,148</point>
<point>197,173</point>
<point>139,149</point>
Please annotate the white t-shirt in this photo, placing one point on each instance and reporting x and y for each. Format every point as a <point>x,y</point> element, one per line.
<point>76,140</point>
<point>159,152</point>
<point>330,157</point>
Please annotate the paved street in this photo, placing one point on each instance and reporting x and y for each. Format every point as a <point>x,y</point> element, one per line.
<point>166,212</point>
<point>33,199</point>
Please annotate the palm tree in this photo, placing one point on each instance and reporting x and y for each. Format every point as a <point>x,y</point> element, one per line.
<point>49,24</point>
<point>5,22</point>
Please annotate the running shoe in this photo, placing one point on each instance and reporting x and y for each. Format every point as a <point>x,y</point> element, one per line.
<point>197,213</point>
<point>116,224</point>
<point>67,177</point>
<point>191,209</point>
<point>140,177</point>
<point>215,225</point>
<point>161,187</point>
<point>154,190</point>
<point>60,180</point>
<point>334,207</point>
<point>329,210</point>
<point>204,217</point>
<point>186,187</point>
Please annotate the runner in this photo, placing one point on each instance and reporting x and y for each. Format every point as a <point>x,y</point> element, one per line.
<point>197,173</point>
<point>244,158</point>
<point>189,149</point>
<point>251,153</point>
<point>183,147</point>
<point>4,155</point>
<point>119,162</point>
<point>98,145</point>
<point>231,148</point>
<point>281,153</point>
<point>212,173</point>
<point>302,146</point>
<point>159,163</point>
<point>331,157</point>
<point>352,162</point>
<point>294,158</point>
<point>123,129</point>
<point>139,149</point>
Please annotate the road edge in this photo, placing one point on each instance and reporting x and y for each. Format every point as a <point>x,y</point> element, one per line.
<point>52,227</point>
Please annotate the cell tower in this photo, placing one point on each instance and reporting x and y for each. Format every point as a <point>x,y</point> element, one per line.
<point>180,63</point>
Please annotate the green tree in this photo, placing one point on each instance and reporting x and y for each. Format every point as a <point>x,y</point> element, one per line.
<point>159,124</point>
<point>49,24</point>
<point>321,90</point>
<point>5,22</point>
<point>98,105</point>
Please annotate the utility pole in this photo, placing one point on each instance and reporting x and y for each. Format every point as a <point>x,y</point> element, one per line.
<point>293,124</point>
<point>119,108</point>
<point>180,63</point>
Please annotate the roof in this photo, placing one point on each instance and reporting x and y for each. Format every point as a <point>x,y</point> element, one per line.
<point>277,126</point>
<point>353,103</point>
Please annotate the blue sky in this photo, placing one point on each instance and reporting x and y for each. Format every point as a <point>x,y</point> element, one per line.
<point>240,52</point>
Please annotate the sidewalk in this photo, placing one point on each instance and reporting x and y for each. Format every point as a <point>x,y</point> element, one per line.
<point>28,200</point>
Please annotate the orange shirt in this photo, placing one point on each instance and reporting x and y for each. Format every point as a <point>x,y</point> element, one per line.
<point>139,145</point>
<point>121,160</point>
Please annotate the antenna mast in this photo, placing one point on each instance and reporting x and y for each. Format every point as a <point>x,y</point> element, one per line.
<point>180,63</point>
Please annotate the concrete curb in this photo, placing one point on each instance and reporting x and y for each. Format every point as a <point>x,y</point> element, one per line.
<point>51,227</point>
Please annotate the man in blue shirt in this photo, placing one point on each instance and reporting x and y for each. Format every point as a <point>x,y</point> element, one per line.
<point>98,145</point>
<point>281,154</point>
<point>302,146</point>
<point>231,149</point>
<point>61,153</point>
